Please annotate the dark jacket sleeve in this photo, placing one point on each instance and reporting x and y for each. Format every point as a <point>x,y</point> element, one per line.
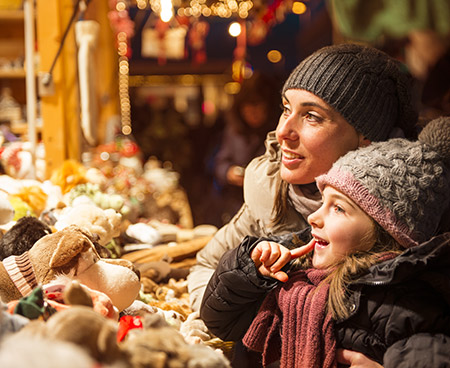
<point>419,351</point>
<point>236,290</point>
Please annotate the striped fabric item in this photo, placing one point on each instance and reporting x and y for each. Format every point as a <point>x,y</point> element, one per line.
<point>21,273</point>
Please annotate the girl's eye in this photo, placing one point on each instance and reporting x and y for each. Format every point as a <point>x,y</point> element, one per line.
<point>338,209</point>
<point>312,117</point>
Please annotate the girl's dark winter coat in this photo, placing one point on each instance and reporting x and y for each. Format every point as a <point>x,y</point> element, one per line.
<point>400,310</point>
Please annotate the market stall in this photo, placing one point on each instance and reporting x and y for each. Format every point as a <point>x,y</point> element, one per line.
<point>109,116</point>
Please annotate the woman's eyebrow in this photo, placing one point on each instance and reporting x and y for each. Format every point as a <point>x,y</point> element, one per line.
<point>314,104</point>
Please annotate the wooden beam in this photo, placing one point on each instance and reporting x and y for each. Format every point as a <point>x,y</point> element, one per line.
<point>60,109</point>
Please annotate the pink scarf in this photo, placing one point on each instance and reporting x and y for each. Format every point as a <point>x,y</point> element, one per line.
<point>292,323</point>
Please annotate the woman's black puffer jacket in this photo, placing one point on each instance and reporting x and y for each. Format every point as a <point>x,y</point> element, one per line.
<point>400,310</point>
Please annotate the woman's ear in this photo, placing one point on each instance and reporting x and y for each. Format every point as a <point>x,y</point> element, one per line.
<point>363,141</point>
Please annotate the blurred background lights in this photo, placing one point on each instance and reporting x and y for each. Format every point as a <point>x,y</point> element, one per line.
<point>166,10</point>
<point>274,56</point>
<point>232,88</point>
<point>234,29</point>
<point>208,107</point>
<point>298,7</point>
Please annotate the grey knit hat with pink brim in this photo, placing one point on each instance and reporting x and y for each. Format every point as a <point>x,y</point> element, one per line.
<point>403,185</point>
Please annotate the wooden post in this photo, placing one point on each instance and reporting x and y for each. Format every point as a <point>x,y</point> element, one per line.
<point>59,103</point>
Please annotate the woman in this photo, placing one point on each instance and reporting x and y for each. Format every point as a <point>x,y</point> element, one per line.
<point>338,99</point>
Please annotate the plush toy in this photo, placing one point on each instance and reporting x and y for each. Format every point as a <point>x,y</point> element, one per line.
<point>81,327</point>
<point>63,292</point>
<point>20,350</point>
<point>103,223</point>
<point>69,251</point>
<point>96,195</point>
<point>6,209</point>
<point>22,235</point>
<point>159,345</point>
<point>10,323</point>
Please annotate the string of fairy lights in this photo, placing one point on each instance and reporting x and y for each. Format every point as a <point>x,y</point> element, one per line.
<point>198,8</point>
<point>165,9</point>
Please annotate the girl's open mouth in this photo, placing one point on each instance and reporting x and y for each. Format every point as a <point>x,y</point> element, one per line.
<point>320,243</point>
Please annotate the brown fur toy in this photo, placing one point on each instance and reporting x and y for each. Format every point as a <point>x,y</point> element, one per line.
<point>159,345</point>
<point>69,252</point>
<point>22,235</point>
<point>81,326</point>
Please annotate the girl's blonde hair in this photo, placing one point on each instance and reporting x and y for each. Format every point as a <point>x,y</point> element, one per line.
<point>354,266</point>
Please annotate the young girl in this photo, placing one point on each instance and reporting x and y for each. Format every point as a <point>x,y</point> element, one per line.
<point>359,289</point>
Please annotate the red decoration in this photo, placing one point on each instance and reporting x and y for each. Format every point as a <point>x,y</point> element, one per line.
<point>127,323</point>
<point>197,35</point>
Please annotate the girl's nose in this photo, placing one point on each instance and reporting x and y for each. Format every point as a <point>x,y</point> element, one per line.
<point>315,219</point>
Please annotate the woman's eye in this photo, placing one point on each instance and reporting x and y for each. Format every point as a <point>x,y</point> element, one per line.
<point>286,110</point>
<point>312,117</point>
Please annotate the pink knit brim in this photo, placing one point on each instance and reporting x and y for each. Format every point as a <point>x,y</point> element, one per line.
<point>348,185</point>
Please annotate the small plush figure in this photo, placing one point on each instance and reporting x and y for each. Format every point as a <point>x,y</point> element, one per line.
<point>6,209</point>
<point>160,345</point>
<point>81,327</point>
<point>69,252</point>
<point>22,235</point>
<point>104,223</point>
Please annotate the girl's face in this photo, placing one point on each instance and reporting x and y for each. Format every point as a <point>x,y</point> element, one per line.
<point>312,136</point>
<point>339,227</point>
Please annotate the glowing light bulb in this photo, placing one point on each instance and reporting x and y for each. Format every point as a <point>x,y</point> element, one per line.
<point>234,29</point>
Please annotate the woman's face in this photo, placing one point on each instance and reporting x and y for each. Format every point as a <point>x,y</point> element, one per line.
<point>312,136</point>
<point>339,227</point>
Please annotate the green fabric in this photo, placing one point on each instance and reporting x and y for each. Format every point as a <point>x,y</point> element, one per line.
<point>368,20</point>
<point>34,306</point>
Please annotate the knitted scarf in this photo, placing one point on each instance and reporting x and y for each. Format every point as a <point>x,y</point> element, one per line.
<point>292,322</point>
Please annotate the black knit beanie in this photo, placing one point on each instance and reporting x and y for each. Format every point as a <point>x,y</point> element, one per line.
<point>365,85</point>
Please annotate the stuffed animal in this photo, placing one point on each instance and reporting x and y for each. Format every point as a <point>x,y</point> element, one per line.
<point>22,235</point>
<point>19,350</point>
<point>104,223</point>
<point>10,323</point>
<point>70,252</point>
<point>6,209</point>
<point>81,327</point>
<point>159,345</point>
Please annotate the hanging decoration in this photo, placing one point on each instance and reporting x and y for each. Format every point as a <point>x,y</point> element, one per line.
<point>86,34</point>
<point>197,41</point>
<point>163,40</point>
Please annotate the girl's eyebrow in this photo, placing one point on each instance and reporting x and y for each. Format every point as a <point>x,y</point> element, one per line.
<point>344,198</point>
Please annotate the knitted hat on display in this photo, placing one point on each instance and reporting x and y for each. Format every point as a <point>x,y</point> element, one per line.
<point>365,85</point>
<point>404,186</point>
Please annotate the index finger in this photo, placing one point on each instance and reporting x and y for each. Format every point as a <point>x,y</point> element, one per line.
<point>300,251</point>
